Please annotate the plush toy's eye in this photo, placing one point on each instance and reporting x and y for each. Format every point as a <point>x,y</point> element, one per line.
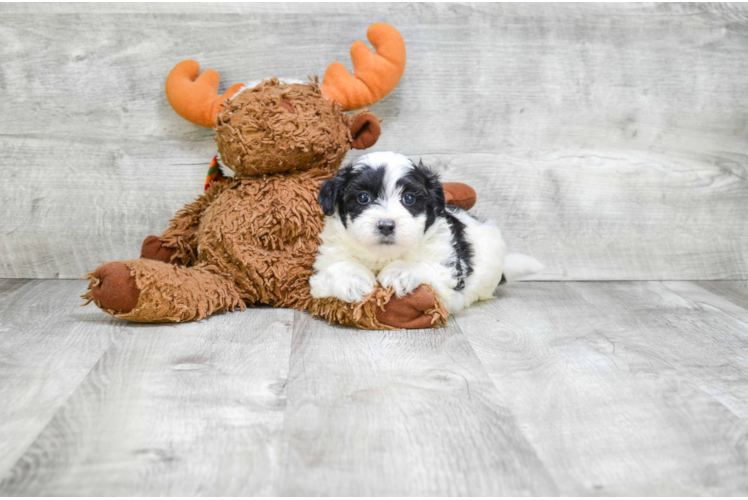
<point>409,199</point>
<point>364,198</point>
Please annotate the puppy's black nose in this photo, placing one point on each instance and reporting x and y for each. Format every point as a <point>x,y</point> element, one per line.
<point>386,227</point>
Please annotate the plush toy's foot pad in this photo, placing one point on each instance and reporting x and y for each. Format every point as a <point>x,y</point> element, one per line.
<point>153,249</point>
<point>417,310</point>
<point>459,194</point>
<point>113,287</point>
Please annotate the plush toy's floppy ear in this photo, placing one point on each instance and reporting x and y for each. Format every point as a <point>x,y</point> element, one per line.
<point>365,131</point>
<point>374,75</point>
<point>195,98</point>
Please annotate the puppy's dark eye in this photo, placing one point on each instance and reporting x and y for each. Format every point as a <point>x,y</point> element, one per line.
<point>364,198</point>
<point>409,199</point>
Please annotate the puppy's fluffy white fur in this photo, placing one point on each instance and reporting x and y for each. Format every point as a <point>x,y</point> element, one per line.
<point>352,257</point>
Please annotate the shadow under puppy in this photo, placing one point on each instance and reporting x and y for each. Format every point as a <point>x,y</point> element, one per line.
<point>387,222</point>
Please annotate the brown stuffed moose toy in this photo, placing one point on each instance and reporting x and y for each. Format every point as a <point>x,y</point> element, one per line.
<point>253,240</point>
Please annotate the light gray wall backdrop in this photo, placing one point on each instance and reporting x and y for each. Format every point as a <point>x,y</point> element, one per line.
<point>609,141</point>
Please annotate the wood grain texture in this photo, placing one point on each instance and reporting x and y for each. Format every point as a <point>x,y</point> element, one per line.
<point>399,413</point>
<point>48,345</point>
<point>608,140</point>
<point>724,11</point>
<point>701,335</point>
<point>622,388</point>
<point>734,291</point>
<point>592,216</point>
<point>191,409</point>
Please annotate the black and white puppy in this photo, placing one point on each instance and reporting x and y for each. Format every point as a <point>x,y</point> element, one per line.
<point>387,222</point>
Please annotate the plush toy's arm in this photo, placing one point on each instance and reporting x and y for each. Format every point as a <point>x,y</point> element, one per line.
<point>459,194</point>
<point>181,236</point>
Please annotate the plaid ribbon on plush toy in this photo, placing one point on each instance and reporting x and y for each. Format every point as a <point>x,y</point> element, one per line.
<point>214,174</point>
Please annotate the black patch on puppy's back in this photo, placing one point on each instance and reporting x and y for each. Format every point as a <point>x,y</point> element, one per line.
<point>463,249</point>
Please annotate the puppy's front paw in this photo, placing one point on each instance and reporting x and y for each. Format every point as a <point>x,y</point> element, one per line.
<point>346,281</point>
<point>353,288</point>
<point>400,277</point>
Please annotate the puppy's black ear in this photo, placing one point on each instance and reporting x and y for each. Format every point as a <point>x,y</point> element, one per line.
<point>329,194</point>
<point>331,191</point>
<point>435,192</point>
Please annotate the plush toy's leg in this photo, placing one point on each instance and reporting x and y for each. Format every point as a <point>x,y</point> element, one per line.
<point>148,291</point>
<point>459,194</point>
<point>382,310</point>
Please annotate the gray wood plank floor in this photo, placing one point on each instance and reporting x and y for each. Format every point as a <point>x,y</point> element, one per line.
<point>578,388</point>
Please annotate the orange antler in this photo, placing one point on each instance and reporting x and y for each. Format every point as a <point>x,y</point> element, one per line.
<point>196,100</point>
<point>375,75</point>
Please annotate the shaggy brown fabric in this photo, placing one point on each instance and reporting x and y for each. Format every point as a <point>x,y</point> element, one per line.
<point>256,134</point>
<point>181,236</point>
